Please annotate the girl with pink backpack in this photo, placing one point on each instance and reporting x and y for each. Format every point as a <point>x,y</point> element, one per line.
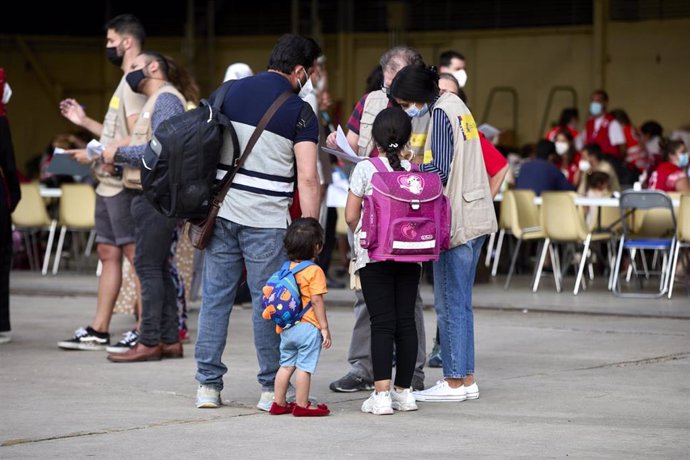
<point>389,285</point>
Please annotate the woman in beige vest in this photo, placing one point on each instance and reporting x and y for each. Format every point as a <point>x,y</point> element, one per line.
<point>151,75</point>
<point>453,150</point>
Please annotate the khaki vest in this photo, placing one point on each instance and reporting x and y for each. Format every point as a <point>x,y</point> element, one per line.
<point>375,102</point>
<point>124,101</point>
<point>468,183</point>
<point>142,133</point>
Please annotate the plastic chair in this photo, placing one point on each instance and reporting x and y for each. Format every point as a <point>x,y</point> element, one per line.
<point>683,236</point>
<point>504,225</point>
<point>31,216</point>
<point>564,223</point>
<point>77,209</point>
<point>654,229</point>
<point>524,222</point>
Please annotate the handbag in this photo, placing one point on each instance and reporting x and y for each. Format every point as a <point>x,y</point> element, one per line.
<point>131,177</point>
<point>201,230</point>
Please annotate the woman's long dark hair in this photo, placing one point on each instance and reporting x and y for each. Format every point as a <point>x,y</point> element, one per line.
<point>391,131</point>
<point>416,83</point>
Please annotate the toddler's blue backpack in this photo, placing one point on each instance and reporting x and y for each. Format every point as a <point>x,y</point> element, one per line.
<point>281,297</point>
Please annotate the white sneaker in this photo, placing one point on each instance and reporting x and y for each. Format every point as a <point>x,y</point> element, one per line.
<point>266,401</point>
<point>378,403</point>
<point>441,392</point>
<point>208,397</point>
<point>472,391</point>
<point>403,400</point>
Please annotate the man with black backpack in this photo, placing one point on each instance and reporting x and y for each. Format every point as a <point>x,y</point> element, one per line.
<point>253,216</point>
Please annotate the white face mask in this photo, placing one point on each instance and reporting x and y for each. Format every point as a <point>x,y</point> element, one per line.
<point>584,165</point>
<point>307,89</point>
<point>6,94</point>
<point>562,147</point>
<point>461,77</point>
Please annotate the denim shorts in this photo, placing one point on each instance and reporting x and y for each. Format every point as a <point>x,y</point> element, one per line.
<point>300,347</point>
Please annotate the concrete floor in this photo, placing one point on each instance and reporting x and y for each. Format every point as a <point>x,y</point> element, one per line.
<point>585,384</point>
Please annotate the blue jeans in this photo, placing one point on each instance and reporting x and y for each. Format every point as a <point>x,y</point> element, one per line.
<point>453,279</point>
<point>261,251</point>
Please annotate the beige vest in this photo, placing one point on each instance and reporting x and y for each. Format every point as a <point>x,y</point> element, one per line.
<point>124,102</point>
<point>142,133</point>
<point>468,183</point>
<point>375,102</point>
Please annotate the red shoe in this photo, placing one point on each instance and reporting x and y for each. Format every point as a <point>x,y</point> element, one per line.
<point>318,411</point>
<point>280,410</point>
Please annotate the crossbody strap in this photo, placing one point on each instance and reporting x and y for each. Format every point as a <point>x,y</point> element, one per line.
<point>227,180</point>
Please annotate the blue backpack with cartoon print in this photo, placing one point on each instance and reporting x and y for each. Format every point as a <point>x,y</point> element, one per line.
<point>281,299</point>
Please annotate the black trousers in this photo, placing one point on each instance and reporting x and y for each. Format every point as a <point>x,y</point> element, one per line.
<point>390,291</point>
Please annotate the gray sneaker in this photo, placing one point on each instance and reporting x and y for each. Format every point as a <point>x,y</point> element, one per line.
<point>351,383</point>
<point>417,383</point>
<point>208,397</point>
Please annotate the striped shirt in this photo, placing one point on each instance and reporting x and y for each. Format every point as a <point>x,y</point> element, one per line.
<point>441,146</point>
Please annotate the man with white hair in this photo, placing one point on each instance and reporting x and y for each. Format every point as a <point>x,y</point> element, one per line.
<point>237,71</point>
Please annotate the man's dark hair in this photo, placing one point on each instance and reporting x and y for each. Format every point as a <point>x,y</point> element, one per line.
<point>651,128</point>
<point>127,24</point>
<point>545,148</point>
<point>302,238</point>
<point>604,95</point>
<point>447,56</point>
<point>293,50</point>
<point>594,150</point>
<point>621,116</point>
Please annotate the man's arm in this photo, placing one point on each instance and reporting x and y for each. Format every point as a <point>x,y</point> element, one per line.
<point>307,178</point>
<point>74,112</point>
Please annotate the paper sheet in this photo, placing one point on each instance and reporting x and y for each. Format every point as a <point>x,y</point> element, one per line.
<point>344,151</point>
<point>94,149</point>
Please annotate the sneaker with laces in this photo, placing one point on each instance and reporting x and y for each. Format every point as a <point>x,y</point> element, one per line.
<point>266,401</point>
<point>472,391</point>
<point>86,339</point>
<point>351,383</point>
<point>129,340</point>
<point>403,400</point>
<point>441,392</point>
<point>208,397</point>
<point>378,403</point>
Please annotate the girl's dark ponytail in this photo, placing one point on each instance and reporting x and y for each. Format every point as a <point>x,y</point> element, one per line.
<point>391,131</point>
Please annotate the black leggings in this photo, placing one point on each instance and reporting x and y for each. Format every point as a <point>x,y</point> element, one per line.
<point>390,291</point>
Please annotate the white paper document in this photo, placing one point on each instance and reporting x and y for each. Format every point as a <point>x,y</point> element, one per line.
<point>344,151</point>
<point>94,149</point>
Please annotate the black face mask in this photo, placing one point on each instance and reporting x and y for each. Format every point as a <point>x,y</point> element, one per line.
<point>111,54</point>
<point>134,79</point>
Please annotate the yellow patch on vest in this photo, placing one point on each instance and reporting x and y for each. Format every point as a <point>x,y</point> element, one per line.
<point>115,102</point>
<point>418,140</point>
<point>468,127</point>
<point>428,157</point>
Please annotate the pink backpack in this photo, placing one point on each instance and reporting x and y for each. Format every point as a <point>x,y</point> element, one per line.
<point>407,217</point>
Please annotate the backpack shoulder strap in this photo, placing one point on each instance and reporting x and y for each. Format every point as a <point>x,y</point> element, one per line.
<point>378,164</point>
<point>220,95</point>
<point>301,266</point>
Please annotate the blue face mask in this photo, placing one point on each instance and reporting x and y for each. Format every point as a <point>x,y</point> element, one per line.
<point>415,112</point>
<point>683,160</point>
<point>595,108</point>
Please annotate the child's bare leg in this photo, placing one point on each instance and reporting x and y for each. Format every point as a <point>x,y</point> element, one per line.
<point>302,381</point>
<point>281,384</point>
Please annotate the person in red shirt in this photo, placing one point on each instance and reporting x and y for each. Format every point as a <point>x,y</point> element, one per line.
<point>570,118</point>
<point>671,175</point>
<point>635,156</point>
<point>568,156</point>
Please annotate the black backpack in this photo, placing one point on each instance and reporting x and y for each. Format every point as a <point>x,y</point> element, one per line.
<point>178,169</point>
